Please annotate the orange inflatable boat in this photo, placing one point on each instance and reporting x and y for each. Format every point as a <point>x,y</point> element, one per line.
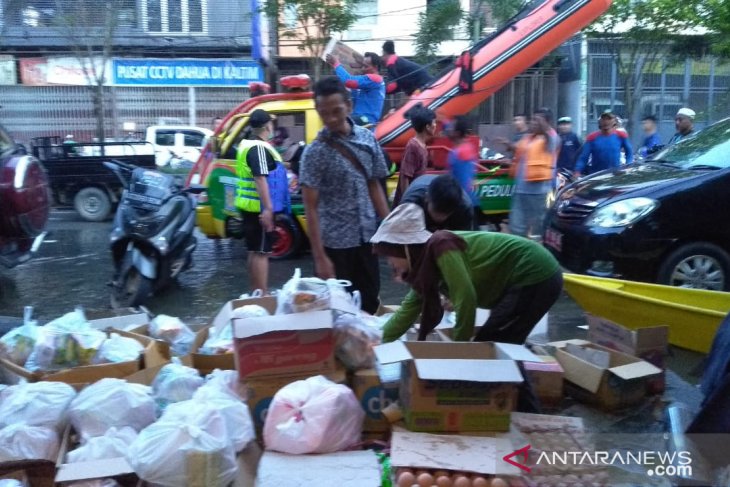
<point>488,65</point>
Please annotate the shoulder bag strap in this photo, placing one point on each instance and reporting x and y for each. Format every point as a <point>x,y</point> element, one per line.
<point>346,153</point>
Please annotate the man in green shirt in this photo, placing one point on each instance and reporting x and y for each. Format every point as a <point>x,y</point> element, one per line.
<point>516,278</point>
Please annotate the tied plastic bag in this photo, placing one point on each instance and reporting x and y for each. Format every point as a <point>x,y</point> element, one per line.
<point>174,332</point>
<point>66,342</point>
<point>174,383</point>
<point>173,454</point>
<point>111,403</point>
<point>239,424</point>
<point>17,344</point>
<point>36,404</point>
<point>354,341</point>
<point>313,416</point>
<point>118,349</point>
<point>11,483</point>
<point>221,340</point>
<point>226,381</point>
<point>301,294</point>
<point>23,442</point>
<point>112,444</point>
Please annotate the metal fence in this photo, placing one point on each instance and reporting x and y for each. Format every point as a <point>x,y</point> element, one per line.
<point>35,111</point>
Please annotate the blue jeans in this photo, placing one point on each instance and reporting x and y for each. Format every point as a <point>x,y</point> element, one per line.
<point>527,214</point>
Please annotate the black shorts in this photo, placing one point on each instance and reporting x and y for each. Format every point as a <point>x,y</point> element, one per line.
<point>257,240</point>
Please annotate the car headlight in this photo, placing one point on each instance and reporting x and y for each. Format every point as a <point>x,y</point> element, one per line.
<point>622,213</point>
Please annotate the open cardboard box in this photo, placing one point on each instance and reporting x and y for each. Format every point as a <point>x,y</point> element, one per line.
<point>114,468</point>
<point>78,377</point>
<point>546,379</point>
<point>648,344</point>
<point>454,386</point>
<point>473,454</point>
<point>373,397</point>
<point>606,378</point>
<point>345,468</point>
<point>284,345</point>
<point>39,473</point>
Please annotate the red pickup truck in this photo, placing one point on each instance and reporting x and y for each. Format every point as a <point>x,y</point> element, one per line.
<point>24,202</point>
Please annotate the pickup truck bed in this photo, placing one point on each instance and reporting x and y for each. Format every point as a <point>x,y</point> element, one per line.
<point>78,177</point>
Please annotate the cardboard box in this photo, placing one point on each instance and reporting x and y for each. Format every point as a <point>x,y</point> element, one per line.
<point>347,468</point>
<point>114,468</point>
<point>603,377</point>
<point>261,391</point>
<point>284,345</point>
<point>474,454</point>
<point>465,386</point>
<point>40,473</point>
<point>78,377</point>
<point>546,379</point>
<point>373,397</point>
<point>649,344</point>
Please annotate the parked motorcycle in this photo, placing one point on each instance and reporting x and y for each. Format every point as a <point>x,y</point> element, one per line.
<point>152,238</point>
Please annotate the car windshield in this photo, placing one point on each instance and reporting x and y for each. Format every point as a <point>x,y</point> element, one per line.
<point>709,149</point>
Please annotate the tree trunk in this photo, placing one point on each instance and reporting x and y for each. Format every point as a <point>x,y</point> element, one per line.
<point>98,100</point>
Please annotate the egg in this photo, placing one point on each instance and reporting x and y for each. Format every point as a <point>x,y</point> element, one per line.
<point>443,480</point>
<point>425,479</point>
<point>478,481</point>
<point>499,482</point>
<point>406,479</point>
<point>461,480</point>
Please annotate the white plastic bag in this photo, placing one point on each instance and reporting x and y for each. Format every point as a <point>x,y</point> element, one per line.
<point>174,383</point>
<point>236,415</point>
<point>17,344</point>
<point>354,341</point>
<point>11,483</point>
<point>112,444</point>
<point>111,403</point>
<point>36,404</point>
<point>68,341</point>
<point>96,483</point>
<point>226,381</point>
<point>302,294</point>
<point>174,332</point>
<point>23,442</point>
<point>172,454</point>
<point>313,416</point>
<point>118,349</point>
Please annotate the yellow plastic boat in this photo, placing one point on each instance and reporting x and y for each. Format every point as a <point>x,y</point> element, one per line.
<point>693,315</point>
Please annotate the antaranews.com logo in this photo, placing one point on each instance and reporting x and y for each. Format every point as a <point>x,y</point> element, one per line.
<point>657,463</point>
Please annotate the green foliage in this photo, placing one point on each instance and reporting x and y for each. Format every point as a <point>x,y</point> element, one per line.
<point>315,21</point>
<point>717,17</point>
<point>503,10</point>
<point>436,25</point>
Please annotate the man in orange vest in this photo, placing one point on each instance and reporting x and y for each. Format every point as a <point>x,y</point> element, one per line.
<point>533,169</point>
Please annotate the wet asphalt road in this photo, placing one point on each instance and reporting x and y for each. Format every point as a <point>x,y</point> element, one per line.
<point>74,266</point>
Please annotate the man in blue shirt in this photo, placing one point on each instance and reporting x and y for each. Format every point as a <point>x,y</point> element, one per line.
<point>651,139</point>
<point>604,147</point>
<point>368,89</point>
<point>569,144</point>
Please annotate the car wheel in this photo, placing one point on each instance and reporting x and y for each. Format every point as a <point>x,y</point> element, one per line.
<point>697,266</point>
<point>288,238</point>
<point>93,204</point>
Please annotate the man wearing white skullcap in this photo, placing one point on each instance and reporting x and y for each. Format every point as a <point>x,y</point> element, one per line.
<point>684,122</point>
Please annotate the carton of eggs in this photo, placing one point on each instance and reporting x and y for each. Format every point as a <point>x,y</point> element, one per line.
<point>407,477</point>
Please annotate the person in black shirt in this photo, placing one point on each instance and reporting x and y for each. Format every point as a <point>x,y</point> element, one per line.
<point>446,205</point>
<point>570,144</point>
<point>403,75</point>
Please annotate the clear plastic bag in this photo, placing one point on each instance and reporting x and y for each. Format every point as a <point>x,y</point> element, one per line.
<point>313,416</point>
<point>239,424</point>
<point>354,341</point>
<point>111,403</point>
<point>118,349</point>
<point>301,294</point>
<point>173,331</point>
<point>173,454</point>
<point>36,404</point>
<point>23,442</point>
<point>174,383</point>
<point>112,444</point>
<point>66,342</point>
<point>17,344</point>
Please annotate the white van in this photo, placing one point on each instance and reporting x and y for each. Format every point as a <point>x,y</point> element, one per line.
<point>184,141</point>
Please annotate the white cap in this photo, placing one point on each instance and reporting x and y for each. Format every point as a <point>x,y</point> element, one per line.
<point>686,112</point>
